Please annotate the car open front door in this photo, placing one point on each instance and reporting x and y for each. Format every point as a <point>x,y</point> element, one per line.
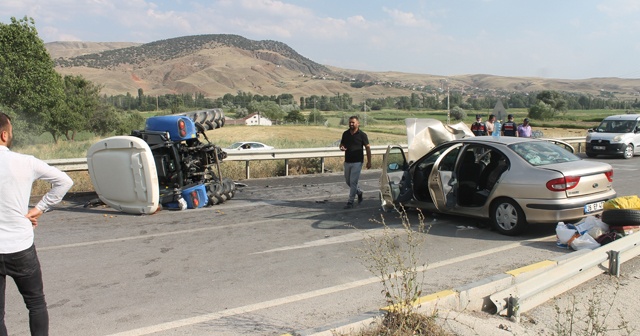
<point>442,180</point>
<point>395,182</point>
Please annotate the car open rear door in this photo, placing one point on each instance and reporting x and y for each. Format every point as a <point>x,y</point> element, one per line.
<point>442,181</point>
<point>395,181</point>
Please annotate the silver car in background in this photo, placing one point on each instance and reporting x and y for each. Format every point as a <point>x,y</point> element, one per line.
<point>510,181</point>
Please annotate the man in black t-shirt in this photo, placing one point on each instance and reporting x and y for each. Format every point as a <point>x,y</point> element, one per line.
<point>352,142</point>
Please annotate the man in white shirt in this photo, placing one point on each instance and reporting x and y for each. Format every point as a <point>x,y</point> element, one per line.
<point>18,257</point>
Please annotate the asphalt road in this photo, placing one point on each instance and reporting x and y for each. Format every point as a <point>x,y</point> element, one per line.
<point>282,256</point>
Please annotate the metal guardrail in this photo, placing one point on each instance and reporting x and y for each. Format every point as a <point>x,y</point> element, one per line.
<point>80,164</point>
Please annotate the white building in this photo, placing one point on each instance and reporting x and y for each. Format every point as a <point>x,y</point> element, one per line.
<point>255,119</point>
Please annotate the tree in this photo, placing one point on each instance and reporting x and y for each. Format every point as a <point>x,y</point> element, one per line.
<point>541,111</point>
<point>553,100</point>
<point>271,110</point>
<point>315,117</point>
<point>294,117</point>
<point>82,98</point>
<point>458,113</point>
<point>29,84</point>
<point>105,120</point>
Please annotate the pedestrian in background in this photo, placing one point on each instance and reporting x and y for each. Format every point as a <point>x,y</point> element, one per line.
<point>524,130</point>
<point>478,127</point>
<point>509,128</point>
<point>352,142</point>
<point>490,124</point>
<point>18,257</point>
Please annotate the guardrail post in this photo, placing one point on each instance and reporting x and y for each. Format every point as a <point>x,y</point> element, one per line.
<point>286,167</point>
<point>247,169</point>
<point>322,165</point>
<point>614,263</point>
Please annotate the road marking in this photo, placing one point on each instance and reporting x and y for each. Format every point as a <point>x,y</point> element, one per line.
<point>350,237</point>
<point>179,232</point>
<point>309,295</point>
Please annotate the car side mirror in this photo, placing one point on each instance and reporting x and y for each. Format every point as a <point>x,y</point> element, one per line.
<point>591,130</point>
<point>394,166</point>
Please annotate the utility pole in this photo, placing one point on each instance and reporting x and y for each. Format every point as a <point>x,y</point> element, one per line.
<point>448,108</point>
<point>364,106</point>
<point>446,82</point>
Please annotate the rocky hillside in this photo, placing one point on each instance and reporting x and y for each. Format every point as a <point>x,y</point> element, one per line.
<point>220,64</point>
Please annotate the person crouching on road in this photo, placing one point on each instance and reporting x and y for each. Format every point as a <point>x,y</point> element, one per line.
<point>352,142</point>
<point>18,257</point>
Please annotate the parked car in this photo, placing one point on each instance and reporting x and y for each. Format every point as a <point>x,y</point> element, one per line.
<point>616,135</point>
<point>509,180</point>
<point>249,145</point>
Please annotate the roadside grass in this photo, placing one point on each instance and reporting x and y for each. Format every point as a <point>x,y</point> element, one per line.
<point>590,314</point>
<point>393,257</point>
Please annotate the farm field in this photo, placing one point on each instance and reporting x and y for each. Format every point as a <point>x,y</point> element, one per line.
<point>383,127</point>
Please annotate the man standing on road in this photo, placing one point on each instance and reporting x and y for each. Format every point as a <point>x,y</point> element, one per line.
<point>352,142</point>
<point>524,130</point>
<point>509,128</point>
<point>18,257</point>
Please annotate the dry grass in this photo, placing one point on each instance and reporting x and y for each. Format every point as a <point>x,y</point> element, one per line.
<point>277,136</point>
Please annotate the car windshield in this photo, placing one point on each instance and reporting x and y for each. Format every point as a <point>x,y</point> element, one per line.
<point>616,126</point>
<point>236,145</point>
<point>540,153</point>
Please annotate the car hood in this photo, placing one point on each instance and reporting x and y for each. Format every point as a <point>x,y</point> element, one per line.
<point>424,134</point>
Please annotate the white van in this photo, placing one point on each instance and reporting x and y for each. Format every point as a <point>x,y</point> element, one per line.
<point>616,135</point>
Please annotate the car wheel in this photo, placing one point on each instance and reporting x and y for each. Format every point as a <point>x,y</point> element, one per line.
<point>628,151</point>
<point>621,217</point>
<point>507,217</point>
<point>591,155</point>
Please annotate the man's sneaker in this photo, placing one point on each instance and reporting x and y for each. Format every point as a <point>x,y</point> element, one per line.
<point>348,206</point>
<point>360,197</point>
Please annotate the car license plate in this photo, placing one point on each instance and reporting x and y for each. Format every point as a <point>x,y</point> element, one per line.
<point>591,207</point>
<point>599,147</point>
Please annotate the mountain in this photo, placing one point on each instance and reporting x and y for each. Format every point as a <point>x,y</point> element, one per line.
<point>218,64</point>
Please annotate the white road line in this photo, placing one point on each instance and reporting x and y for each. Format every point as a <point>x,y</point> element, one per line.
<point>350,237</point>
<point>308,295</point>
<point>179,232</point>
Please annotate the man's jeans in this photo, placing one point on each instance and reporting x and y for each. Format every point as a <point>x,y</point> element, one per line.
<point>352,175</point>
<point>24,268</point>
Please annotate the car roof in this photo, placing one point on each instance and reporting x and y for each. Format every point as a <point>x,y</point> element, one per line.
<point>623,117</point>
<point>506,140</point>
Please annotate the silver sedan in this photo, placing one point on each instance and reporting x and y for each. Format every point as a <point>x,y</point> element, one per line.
<point>510,181</point>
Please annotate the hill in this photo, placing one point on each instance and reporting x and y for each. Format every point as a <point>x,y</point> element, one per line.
<point>218,64</point>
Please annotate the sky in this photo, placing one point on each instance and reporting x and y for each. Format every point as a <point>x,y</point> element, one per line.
<point>570,39</point>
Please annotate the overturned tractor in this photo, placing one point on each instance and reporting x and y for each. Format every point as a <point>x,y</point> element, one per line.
<point>171,163</point>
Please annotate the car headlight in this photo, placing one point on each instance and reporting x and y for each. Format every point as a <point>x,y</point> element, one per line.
<point>616,138</point>
<point>588,138</point>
